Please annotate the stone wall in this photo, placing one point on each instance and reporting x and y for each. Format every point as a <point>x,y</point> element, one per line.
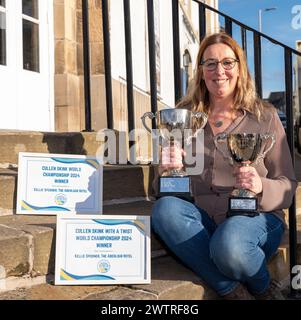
<point>68,79</point>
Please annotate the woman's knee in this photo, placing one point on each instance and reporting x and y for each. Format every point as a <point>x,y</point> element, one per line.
<point>228,247</point>
<point>231,252</point>
<point>173,213</point>
<point>165,209</point>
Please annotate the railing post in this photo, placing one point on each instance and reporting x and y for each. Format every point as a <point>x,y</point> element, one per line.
<point>202,21</point>
<point>228,26</point>
<point>107,61</point>
<point>86,64</point>
<point>290,137</point>
<point>244,40</point>
<point>176,50</point>
<point>289,98</point>
<point>257,63</point>
<point>152,57</point>
<point>152,68</point>
<point>129,74</point>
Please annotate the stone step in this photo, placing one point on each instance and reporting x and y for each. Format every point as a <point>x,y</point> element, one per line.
<point>121,183</point>
<point>27,252</point>
<point>27,242</point>
<point>15,141</point>
<point>8,191</point>
<point>170,281</point>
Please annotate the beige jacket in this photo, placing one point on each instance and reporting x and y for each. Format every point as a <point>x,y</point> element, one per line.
<point>213,186</point>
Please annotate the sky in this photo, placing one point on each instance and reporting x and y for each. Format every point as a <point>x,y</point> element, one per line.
<point>282,23</point>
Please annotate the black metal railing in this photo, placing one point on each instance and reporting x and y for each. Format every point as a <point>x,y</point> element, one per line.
<point>86,65</point>
<point>152,57</point>
<point>176,50</point>
<point>107,59</point>
<point>229,22</point>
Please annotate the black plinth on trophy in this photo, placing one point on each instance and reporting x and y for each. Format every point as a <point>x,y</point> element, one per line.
<point>242,206</point>
<point>175,186</point>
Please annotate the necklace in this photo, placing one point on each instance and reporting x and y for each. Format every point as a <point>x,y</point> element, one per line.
<point>218,123</point>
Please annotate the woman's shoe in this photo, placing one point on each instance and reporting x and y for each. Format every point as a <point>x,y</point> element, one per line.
<point>239,293</point>
<point>271,293</point>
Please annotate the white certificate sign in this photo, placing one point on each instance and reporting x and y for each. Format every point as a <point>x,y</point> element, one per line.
<point>52,183</point>
<point>106,250</point>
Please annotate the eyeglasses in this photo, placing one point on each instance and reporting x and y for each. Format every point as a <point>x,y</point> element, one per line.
<point>211,64</point>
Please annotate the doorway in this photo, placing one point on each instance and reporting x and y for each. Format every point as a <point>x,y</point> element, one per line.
<point>26,65</point>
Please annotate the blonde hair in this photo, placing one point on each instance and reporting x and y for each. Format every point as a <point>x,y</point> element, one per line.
<point>245,96</point>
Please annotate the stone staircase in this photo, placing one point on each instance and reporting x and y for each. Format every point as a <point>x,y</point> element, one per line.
<point>27,243</point>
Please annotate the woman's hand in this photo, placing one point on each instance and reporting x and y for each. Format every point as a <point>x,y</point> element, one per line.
<point>248,178</point>
<point>171,158</point>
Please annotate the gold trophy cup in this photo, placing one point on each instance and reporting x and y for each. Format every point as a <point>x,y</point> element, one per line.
<point>244,149</point>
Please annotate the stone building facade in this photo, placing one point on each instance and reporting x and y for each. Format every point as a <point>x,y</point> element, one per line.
<point>68,75</point>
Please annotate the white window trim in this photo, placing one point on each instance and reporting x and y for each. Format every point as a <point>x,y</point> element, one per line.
<point>31,19</point>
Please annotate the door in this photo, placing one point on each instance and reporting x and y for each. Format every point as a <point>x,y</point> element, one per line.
<point>26,65</point>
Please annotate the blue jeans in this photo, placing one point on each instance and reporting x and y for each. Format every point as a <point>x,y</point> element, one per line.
<point>236,251</point>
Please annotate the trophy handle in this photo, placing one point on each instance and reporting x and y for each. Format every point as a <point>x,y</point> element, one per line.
<point>266,136</point>
<point>147,115</point>
<point>222,138</point>
<point>197,115</point>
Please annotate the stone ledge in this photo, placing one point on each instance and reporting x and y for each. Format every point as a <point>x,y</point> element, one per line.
<point>170,281</point>
<point>133,181</point>
<point>39,252</point>
<point>121,293</point>
<point>173,281</point>
<point>27,249</point>
<point>51,292</point>
<point>15,141</point>
<point>15,247</point>
<point>8,190</point>
<point>27,242</point>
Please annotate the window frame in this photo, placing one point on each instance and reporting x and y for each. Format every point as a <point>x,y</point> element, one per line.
<point>3,10</point>
<point>35,21</point>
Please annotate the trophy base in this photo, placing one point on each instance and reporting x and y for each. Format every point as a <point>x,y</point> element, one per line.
<point>240,206</point>
<point>176,186</point>
<point>174,173</point>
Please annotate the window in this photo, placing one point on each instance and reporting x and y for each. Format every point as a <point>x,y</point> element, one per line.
<point>2,33</point>
<point>30,8</point>
<point>31,47</point>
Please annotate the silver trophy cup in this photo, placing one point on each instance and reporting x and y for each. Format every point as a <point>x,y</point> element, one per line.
<point>244,149</point>
<point>173,126</point>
